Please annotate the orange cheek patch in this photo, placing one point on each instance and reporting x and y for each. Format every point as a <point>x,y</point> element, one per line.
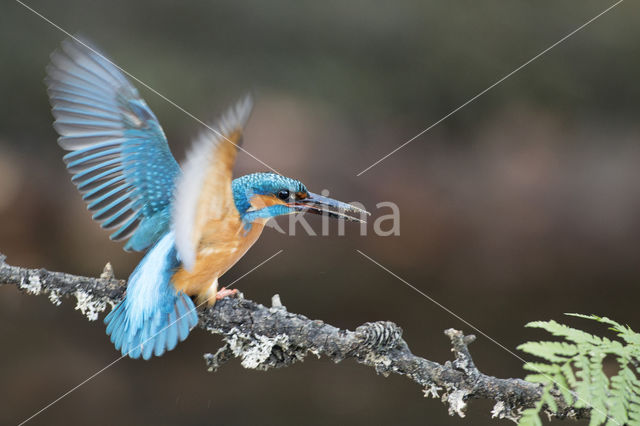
<point>261,201</point>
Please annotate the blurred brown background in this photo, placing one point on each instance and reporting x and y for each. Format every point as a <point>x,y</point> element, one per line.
<point>522,206</point>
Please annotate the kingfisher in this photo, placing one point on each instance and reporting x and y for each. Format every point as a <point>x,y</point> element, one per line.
<point>194,222</point>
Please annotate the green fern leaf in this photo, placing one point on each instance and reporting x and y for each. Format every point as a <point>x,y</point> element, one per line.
<point>575,367</point>
<point>551,351</point>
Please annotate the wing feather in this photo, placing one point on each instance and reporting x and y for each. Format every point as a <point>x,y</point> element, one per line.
<point>119,158</point>
<point>203,191</point>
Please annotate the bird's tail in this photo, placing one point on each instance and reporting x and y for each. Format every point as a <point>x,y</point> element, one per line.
<point>153,317</point>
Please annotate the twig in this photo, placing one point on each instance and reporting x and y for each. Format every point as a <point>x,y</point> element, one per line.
<point>264,338</point>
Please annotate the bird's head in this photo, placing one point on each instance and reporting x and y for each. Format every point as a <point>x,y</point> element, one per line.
<point>266,195</point>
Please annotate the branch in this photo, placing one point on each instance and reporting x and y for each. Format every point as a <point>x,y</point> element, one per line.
<point>264,338</point>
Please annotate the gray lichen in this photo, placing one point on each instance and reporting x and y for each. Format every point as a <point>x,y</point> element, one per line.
<point>457,402</point>
<point>502,411</point>
<point>255,350</point>
<point>432,391</point>
<point>381,363</point>
<point>89,305</point>
<point>32,284</point>
<point>55,297</point>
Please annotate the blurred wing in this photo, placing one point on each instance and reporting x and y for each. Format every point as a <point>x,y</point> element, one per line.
<point>119,154</point>
<point>203,192</point>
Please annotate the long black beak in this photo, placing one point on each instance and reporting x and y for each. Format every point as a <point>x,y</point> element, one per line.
<point>317,204</point>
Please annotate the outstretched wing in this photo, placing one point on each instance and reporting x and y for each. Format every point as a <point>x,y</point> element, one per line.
<point>119,157</point>
<point>203,192</point>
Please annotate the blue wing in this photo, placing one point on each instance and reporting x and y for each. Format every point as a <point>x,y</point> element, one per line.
<point>119,157</point>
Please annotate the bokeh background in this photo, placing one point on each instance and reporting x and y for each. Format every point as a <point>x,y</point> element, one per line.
<point>522,206</point>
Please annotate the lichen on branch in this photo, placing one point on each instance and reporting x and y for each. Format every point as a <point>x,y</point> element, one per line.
<point>264,337</point>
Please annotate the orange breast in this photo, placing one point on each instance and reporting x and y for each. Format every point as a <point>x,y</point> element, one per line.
<point>224,241</point>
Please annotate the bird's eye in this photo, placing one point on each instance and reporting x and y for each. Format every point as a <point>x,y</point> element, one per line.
<point>283,194</point>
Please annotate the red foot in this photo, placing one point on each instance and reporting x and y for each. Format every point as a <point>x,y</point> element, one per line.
<point>225,292</point>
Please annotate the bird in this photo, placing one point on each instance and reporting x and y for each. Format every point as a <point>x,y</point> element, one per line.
<point>193,222</point>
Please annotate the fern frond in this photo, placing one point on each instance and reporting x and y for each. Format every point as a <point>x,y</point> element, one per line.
<point>575,367</point>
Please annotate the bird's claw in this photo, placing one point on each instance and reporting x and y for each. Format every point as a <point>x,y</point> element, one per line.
<point>225,292</point>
